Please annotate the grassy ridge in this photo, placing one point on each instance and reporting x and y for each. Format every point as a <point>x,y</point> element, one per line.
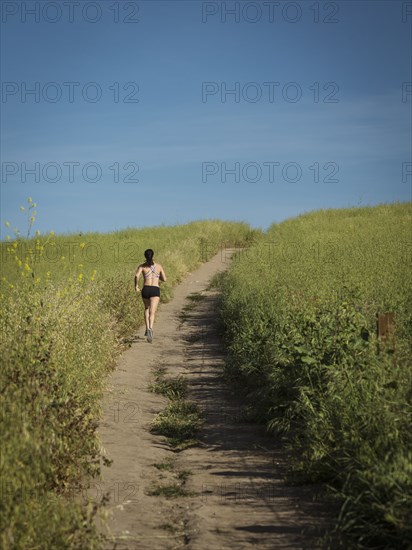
<point>64,317</point>
<point>299,310</point>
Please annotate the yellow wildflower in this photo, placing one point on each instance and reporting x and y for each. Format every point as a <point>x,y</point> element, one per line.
<point>80,277</point>
<point>22,208</point>
<point>7,224</point>
<point>30,199</point>
<point>27,267</point>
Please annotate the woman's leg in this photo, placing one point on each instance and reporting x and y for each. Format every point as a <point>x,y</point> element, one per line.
<point>154,301</point>
<point>146,302</point>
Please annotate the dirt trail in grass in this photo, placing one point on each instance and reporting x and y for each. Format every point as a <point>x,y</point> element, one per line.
<point>237,497</point>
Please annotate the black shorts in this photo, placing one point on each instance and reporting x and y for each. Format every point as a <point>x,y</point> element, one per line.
<point>150,291</point>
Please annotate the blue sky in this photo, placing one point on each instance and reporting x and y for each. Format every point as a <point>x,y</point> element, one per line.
<point>175,144</point>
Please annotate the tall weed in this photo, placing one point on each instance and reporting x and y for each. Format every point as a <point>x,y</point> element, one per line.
<point>299,311</point>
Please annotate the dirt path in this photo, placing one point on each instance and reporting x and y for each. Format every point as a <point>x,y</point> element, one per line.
<point>235,477</point>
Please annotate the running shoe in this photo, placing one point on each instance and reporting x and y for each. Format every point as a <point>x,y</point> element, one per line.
<point>146,333</point>
<point>149,335</point>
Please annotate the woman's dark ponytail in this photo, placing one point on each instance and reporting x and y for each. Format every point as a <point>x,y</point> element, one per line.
<point>148,254</point>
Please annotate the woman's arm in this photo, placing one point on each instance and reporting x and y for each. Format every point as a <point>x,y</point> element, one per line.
<point>137,274</point>
<point>162,274</point>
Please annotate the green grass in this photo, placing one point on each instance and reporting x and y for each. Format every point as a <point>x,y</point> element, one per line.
<point>217,280</point>
<point>301,338</point>
<point>172,490</point>
<point>179,422</point>
<point>172,388</point>
<point>167,465</point>
<point>183,475</point>
<point>68,306</point>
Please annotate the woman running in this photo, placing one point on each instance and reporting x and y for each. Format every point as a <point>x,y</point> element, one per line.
<point>152,275</point>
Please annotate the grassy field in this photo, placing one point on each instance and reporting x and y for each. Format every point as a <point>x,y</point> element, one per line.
<point>299,312</point>
<point>68,307</point>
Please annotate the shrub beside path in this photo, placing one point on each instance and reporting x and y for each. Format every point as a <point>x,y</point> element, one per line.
<point>229,492</point>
